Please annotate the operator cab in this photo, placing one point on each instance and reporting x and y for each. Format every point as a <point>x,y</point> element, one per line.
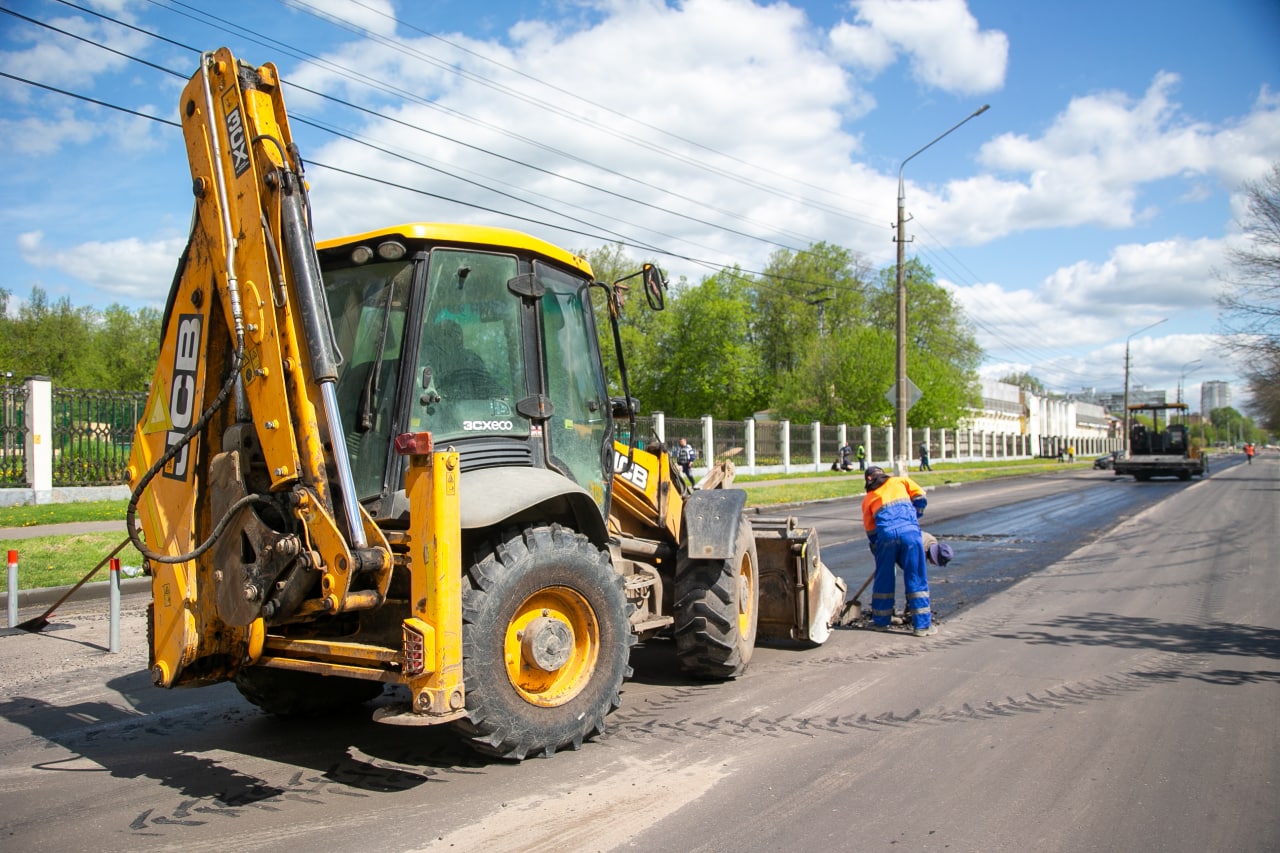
<point>482,336</point>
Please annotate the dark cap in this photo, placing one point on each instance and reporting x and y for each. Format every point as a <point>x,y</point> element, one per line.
<point>940,553</point>
<point>874,477</point>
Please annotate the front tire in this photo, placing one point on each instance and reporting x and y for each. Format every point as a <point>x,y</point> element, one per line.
<point>717,607</point>
<point>545,643</point>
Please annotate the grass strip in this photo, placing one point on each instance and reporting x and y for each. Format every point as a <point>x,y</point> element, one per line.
<point>45,561</point>
<point>30,516</point>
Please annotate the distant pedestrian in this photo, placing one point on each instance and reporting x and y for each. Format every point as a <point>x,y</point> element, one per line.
<point>924,457</point>
<point>862,458</point>
<point>685,454</point>
<point>1071,453</point>
<point>1248,452</point>
<point>845,461</point>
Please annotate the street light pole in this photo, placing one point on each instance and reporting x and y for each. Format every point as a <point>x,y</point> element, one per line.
<point>902,453</point>
<point>1182,374</point>
<point>1126,382</point>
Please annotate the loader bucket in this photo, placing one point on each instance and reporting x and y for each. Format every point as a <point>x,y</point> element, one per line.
<point>799,596</point>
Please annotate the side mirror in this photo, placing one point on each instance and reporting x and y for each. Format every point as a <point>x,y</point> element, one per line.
<point>655,286</point>
<point>624,407</point>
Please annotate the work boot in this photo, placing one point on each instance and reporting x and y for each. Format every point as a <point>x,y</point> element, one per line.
<point>925,632</point>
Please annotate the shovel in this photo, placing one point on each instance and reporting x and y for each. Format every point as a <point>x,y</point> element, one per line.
<point>40,622</point>
<point>853,607</point>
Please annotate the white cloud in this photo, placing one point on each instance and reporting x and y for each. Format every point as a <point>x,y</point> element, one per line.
<point>56,60</point>
<point>941,39</point>
<point>34,135</point>
<point>1089,165</point>
<point>123,268</point>
<point>749,89</point>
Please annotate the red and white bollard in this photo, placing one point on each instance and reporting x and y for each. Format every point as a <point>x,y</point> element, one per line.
<point>13,589</point>
<point>114,644</point>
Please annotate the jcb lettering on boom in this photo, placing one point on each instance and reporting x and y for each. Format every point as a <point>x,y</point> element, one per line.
<point>235,135</point>
<point>182,391</point>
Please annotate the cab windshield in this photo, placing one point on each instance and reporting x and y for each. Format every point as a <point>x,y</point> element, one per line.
<point>470,362</point>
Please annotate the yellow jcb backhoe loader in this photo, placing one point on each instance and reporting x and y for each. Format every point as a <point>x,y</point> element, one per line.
<point>388,461</point>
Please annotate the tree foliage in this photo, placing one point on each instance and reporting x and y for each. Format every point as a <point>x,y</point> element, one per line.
<point>1028,381</point>
<point>812,337</point>
<point>1251,301</point>
<point>115,348</point>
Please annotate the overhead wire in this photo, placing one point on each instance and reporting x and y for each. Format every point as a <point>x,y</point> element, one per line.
<point>482,80</point>
<point>563,91</point>
<point>610,236</point>
<point>415,97</point>
<point>630,242</point>
<point>306,57</point>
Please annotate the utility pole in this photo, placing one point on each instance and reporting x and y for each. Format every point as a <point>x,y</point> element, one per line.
<point>902,458</point>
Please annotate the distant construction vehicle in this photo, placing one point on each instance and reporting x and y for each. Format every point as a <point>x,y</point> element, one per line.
<point>1162,448</point>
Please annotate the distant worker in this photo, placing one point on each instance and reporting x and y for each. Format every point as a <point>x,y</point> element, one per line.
<point>1071,453</point>
<point>1248,452</point>
<point>862,458</point>
<point>924,457</point>
<point>685,454</point>
<point>891,510</point>
<point>845,462</point>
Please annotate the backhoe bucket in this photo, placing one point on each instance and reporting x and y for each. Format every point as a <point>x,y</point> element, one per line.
<point>800,598</point>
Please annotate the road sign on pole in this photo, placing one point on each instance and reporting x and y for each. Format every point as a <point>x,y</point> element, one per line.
<point>913,394</point>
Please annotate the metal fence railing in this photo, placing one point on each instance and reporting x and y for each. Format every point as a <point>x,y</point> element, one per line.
<point>13,435</point>
<point>92,434</point>
<point>60,437</point>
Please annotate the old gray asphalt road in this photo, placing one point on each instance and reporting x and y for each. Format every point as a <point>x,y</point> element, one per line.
<point>1121,696</point>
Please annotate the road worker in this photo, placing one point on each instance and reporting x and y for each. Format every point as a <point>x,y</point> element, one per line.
<point>891,510</point>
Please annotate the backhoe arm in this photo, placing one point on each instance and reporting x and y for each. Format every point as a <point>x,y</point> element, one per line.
<point>239,467</point>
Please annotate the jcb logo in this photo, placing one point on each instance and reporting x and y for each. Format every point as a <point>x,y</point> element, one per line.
<point>182,391</point>
<point>637,475</point>
<point>239,146</point>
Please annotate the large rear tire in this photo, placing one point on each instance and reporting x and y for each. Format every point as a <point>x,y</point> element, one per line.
<point>717,607</point>
<point>545,643</point>
<point>287,693</point>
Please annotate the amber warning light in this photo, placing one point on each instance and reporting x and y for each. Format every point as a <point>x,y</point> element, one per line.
<point>413,444</point>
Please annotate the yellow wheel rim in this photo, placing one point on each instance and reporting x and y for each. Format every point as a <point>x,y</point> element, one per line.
<point>746,589</point>
<point>551,646</point>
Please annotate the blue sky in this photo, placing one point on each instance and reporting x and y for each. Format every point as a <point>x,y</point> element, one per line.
<point>1097,195</point>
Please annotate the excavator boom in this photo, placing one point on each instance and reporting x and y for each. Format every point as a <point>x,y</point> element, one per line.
<point>245,503</point>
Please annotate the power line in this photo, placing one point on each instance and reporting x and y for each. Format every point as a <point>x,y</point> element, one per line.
<point>609,236</point>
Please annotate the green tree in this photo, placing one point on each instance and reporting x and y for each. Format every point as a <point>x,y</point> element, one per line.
<point>800,295</point>
<point>53,339</point>
<point>115,348</point>
<point>1027,381</point>
<point>841,379</point>
<point>942,353</point>
<point>703,361</point>
<point>126,343</point>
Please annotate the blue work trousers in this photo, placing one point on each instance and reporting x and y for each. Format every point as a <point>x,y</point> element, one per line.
<point>901,548</point>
